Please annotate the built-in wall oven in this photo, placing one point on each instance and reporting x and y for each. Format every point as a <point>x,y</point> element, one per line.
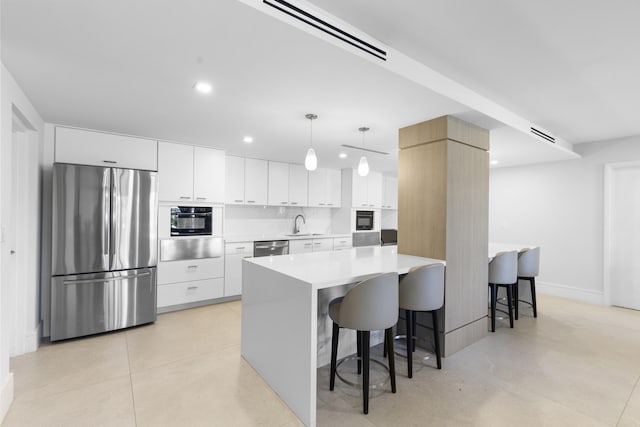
<point>364,220</point>
<point>191,220</point>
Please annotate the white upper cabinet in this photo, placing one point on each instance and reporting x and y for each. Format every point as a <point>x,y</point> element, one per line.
<point>188,173</point>
<point>234,180</point>
<point>255,181</point>
<point>325,188</point>
<point>334,188</point>
<point>374,189</point>
<point>390,192</point>
<point>175,170</point>
<point>85,147</point>
<point>366,191</point>
<point>208,175</point>
<point>298,191</point>
<point>278,192</point>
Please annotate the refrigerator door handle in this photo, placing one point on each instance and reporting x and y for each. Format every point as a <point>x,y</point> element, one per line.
<point>105,280</point>
<point>106,226</point>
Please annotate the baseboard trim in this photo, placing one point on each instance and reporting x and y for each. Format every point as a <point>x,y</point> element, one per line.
<point>570,292</point>
<point>6,396</point>
<point>31,340</point>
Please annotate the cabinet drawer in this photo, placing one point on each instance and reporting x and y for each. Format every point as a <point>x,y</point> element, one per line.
<point>300,246</point>
<point>342,243</point>
<point>104,149</point>
<point>187,292</point>
<point>245,248</point>
<point>322,245</point>
<point>189,270</point>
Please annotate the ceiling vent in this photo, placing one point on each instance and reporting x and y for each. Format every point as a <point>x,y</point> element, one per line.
<point>543,134</point>
<point>363,149</point>
<point>327,28</point>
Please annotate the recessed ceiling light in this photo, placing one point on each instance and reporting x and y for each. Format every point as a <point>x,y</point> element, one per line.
<point>494,162</point>
<point>203,87</point>
<point>247,139</point>
<point>342,155</point>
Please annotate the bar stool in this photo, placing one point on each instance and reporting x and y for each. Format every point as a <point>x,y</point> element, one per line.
<point>370,305</point>
<point>528,269</point>
<point>422,289</point>
<point>503,271</point>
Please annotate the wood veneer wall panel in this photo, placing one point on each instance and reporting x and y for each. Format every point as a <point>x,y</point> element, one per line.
<point>422,200</point>
<point>441,128</point>
<point>467,234</point>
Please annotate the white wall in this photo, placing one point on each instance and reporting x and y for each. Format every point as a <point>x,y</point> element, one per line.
<point>21,320</point>
<point>256,220</point>
<point>559,206</point>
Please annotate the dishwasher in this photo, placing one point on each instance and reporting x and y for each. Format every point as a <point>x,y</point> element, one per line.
<point>270,247</point>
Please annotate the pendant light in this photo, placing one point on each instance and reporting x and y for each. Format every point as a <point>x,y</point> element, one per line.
<point>311,161</point>
<point>363,165</point>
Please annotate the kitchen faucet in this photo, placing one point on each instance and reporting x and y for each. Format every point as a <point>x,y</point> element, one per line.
<point>296,229</point>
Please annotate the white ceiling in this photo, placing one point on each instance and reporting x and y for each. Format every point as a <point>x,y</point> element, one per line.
<point>128,66</point>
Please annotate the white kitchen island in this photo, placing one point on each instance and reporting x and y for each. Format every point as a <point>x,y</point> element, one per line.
<point>280,313</point>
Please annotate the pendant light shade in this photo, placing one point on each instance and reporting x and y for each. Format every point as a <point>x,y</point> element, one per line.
<point>363,165</point>
<point>311,160</point>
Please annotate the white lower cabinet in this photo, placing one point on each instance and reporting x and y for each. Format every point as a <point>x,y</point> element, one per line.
<point>189,270</point>
<point>300,246</point>
<point>340,243</point>
<point>190,292</point>
<point>234,254</point>
<point>322,245</point>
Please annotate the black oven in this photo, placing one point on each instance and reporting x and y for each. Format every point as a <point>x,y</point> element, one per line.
<point>191,221</point>
<point>364,220</point>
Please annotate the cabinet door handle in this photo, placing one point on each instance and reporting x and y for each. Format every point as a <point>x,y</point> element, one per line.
<point>238,201</point>
<point>239,248</point>
<point>185,198</point>
<point>307,244</point>
<point>283,203</point>
<point>321,204</point>
<point>294,203</point>
<point>251,201</point>
<point>192,288</point>
<point>201,198</point>
<point>111,162</point>
<point>192,266</point>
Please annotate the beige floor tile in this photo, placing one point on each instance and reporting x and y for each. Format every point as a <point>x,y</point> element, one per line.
<point>108,403</point>
<point>631,415</point>
<point>211,389</point>
<point>70,364</point>
<point>183,334</point>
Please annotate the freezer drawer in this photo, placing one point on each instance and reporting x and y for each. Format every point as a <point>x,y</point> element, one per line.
<point>86,304</point>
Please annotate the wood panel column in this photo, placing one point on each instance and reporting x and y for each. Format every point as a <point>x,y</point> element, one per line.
<point>443,212</point>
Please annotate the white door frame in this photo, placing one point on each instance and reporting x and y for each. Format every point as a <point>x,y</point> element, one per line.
<point>609,170</point>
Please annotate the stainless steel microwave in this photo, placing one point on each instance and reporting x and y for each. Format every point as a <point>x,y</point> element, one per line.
<point>364,220</point>
<point>191,221</point>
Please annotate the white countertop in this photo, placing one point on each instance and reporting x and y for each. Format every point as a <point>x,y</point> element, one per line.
<point>279,236</point>
<point>332,268</point>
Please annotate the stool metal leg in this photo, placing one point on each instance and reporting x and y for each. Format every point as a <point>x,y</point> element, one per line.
<point>388,334</point>
<point>510,300</point>
<point>436,337</point>
<point>532,280</point>
<point>359,350</point>
<point>334,354</point>
<point>493,306</point>
<point>516,291</point>
<point>414,317</point>
<point>365,371</point>
<point>409,324</point>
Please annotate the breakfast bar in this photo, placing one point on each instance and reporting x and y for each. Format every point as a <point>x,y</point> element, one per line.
<point>280,313</point>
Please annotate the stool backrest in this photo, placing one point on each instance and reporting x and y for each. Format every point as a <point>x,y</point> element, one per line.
<point>371,304</point>
<point>503,269</point>
<point>422,289</point>
<point>529,262</point>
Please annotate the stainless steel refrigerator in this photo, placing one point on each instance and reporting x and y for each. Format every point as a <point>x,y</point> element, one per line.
<point>104,249</point>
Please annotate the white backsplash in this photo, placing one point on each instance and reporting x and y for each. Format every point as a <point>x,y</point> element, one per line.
<point>252,220</point>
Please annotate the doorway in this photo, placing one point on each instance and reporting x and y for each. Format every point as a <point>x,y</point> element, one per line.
<point>622,235</point>
<point>21,236</point>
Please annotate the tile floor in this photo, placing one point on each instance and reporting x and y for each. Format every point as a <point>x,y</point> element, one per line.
<point>576,365</point>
